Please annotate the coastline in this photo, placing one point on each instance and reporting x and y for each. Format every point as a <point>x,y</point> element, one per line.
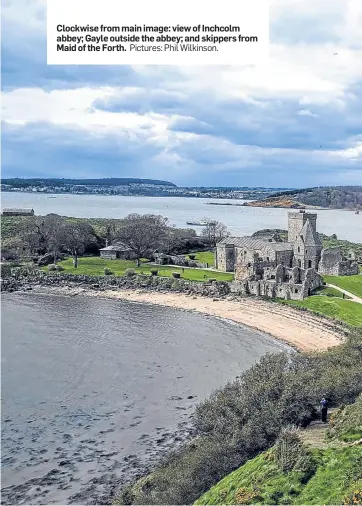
<point>302,330</point>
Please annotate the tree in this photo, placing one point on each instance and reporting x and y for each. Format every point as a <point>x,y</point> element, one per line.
<point>76,236</point>
<point>53,232</point>
<point>109,230</point>
<point>44,235</point>
<point>214,231</point>
<point>143,234</point>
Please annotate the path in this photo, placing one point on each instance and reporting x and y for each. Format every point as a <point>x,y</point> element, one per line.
<point>314,434</point>
<point>352,296</point>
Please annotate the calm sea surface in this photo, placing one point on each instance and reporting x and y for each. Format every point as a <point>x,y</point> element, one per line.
<point>92,386</point>
<point>239,220</point>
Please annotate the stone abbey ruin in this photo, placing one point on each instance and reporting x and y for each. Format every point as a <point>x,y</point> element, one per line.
<point>290,270</point>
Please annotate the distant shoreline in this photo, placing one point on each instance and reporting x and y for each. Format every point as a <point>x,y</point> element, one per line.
<point>302,330</point>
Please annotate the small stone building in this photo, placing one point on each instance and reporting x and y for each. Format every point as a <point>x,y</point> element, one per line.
<point>18,212</point>
<point>117,251</point>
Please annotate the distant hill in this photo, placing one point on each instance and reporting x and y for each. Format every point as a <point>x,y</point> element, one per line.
<point>333,197</point>
<point>22,182</point>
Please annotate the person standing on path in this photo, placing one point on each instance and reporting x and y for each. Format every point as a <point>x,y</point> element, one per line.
<point>324,409</point>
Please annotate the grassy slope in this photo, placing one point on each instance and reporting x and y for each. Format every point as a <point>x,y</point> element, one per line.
<point>95,266</point>
<point>334,307</point>
<point>338,470</point>
<point>325,290</point>
<point>352,284</point>
<point>205,257</point>
<point>328,485</point>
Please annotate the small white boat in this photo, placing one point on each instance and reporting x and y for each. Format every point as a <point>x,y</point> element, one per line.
<point>197,223</point>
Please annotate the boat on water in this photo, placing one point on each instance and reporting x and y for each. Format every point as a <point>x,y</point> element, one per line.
<point>197,223</point>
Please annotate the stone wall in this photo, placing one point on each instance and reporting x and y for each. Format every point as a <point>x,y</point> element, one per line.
<point>225,257</point>
<point>296,221</point>
<point>281,282</point>
<point>101,283</point>
<point>284,257</point>
<point>179,260</point>
<point>333,264</point>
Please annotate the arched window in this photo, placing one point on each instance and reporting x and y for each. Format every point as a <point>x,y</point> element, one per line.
<point>298,249</point>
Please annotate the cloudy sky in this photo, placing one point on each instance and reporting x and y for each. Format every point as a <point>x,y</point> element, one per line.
<point>294,122</point>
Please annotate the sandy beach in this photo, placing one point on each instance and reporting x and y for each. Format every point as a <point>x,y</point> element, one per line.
<point>302,330</point>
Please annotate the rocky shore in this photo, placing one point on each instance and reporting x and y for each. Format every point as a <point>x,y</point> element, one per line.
<point>107,474</point>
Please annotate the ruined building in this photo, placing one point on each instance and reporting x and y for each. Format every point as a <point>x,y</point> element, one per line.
<point>290,270</point>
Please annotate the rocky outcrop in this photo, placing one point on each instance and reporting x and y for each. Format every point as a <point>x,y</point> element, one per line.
<point>286,203</point>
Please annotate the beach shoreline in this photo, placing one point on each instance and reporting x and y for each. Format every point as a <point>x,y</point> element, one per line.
<point>302,330</point>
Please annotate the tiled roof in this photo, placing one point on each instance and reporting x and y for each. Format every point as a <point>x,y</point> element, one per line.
<point>115,247</point>
<point>253,243</point>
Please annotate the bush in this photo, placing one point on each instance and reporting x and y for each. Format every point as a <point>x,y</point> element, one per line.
<point>129,273</point>
<point>245,496</point>
<point>52,267</point>
<point>212,280</point>
<point>290,453</point>
<point>108,272</point>
<point>59,268</point>
<point>246,417</point>
<point>154,272</point>
<point>176,275</point>
<point>192,257</point>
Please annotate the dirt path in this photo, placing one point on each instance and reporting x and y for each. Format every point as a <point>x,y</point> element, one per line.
<point>314,434</point>
<point>352,296</point>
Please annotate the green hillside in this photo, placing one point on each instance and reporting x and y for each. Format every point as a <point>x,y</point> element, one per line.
<point>318,465</point>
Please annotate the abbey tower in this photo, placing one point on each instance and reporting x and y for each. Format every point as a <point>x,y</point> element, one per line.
<point>302,234</point>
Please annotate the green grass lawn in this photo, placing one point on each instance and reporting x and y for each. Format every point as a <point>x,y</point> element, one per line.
<point>328,291</point>
<point>333,479</point>
<point>205,257</point>
<point>352,284</point>
<point>94,266</point>
<point>334,307</point>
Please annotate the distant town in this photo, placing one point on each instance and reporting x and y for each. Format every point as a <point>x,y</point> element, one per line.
<point>131,187</point>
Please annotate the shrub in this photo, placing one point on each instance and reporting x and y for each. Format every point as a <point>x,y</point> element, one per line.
<point>52,267</point>
<point>154,272</point>
<point>246,417</point>
<point>245,496</point>
<point>353,498</point>
<point>59,268</point>
<point>130,273</point>
<point>212,280</point>
<point>290,453</point>
<point>108,272</point>
<point>176,275</point>
<point>192,257</point>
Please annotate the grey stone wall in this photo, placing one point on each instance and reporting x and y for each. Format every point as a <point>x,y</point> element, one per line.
<point>225,257</point>
<point>296,221</point>
<point>281,282</point>
<point>333,264</point>
<point>284,258</point>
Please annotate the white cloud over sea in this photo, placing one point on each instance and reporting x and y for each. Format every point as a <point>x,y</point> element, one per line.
<point>294,122</point>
